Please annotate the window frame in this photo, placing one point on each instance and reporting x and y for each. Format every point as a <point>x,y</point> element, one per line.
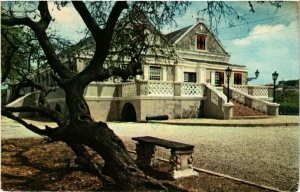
<point>194,74</point>
<point>198,43</point>
<point>220,80</point>
<point>155,75</point>
<point>238,78</point>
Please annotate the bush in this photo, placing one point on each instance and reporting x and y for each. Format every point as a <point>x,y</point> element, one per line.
<point>289,108</point>
<point>289,102</point>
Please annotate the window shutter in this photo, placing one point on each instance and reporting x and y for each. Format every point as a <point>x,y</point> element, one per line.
<point>222,78</point>
<point>198,41</point>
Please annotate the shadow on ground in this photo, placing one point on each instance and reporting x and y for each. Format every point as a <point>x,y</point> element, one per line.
<point>32,165</point>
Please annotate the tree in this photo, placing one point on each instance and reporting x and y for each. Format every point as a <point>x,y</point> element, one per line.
<point>79,129</point>
<point>107,23</point>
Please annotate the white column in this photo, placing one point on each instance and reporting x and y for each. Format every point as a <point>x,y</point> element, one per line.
<point>177,73</point>
<point>203,75</point>
<point>198,75</point>
<point>146,72</point>
<point>164,73</point>
<point>212,78</point>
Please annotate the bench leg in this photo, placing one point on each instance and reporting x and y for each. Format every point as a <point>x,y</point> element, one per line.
<point>145,155</point>
<point>181,164</point>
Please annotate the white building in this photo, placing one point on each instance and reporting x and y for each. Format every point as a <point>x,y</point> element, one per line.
<point>188,87</point>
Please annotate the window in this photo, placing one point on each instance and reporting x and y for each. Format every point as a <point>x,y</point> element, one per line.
<point>190,77</point>
<point>219,78</point>
<point>155,73</point>
<point>201,41</point>
<point>237,78</point>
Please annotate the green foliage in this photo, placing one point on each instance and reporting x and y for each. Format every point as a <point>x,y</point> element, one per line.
<point>289,109</point>
<point>289,83</point>
<point>289,102</point>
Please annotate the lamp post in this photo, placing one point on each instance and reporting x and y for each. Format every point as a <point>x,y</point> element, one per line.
<point>256,75</point>
<point>228,74</point>
<point>274,77</point>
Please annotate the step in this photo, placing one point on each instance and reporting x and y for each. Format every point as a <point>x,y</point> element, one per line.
<point>251,117</point>
<point>244,112</point>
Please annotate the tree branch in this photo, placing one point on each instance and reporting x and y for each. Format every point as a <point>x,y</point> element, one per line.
<point>50,113</point>
<point>8,63</point>
<point>56,134</point>
<point>114,16</point>
<point>103,40</point>
<point>17,21</point>
<point>87,18</point>
<point>31,127</point>
<point>39,29</point>
<point>45,14</point>
<point>251,7</point>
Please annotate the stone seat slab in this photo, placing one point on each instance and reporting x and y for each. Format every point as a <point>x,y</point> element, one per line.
<point>164,143</point>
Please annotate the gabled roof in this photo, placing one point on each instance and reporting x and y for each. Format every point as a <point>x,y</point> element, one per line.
<point>173,36</point>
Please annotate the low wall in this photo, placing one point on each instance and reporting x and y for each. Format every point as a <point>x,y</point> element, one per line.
<point>30,99</point>
<point>174,107</point>
<point>106,100</point>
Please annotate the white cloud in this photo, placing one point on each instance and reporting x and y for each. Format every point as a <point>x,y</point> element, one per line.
<point>277,49</point>
<point>67,21</point>
<point>67,15</point>
<point>266,33</point>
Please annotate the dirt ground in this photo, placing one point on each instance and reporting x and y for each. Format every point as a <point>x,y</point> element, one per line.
<point>263,155</point>
<point>32,165</point>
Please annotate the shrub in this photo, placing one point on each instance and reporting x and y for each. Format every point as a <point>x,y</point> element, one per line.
<point>289,102</point>
<point>288,108</point>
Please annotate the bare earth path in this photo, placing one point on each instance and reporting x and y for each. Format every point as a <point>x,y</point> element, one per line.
<point>264,155</point>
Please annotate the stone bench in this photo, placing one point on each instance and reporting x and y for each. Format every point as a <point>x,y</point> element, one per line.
<point>181,155</point>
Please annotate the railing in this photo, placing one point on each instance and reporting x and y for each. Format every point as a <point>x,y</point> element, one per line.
<point>129,89</point>
<point>253,102</point>
<point>216,104</point>
<point>30,99</point>
<point>161,88</point>
<point>256,91</point>
<point>27,100</point>
<point>192,89</point>
<point>216,94</point>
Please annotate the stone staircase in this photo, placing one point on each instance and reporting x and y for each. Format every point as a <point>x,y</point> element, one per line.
<point>244,112</point>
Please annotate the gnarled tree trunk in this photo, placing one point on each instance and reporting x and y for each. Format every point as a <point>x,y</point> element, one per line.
<point>119,165</point>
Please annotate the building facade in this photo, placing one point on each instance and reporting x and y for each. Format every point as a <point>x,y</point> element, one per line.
<point>190,87</point>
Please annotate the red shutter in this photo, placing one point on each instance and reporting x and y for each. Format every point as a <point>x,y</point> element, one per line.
<point>222,78</point>
<point>198,41</point>
<point>203,42</point>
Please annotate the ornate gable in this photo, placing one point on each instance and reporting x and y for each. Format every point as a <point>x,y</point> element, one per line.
<point>197,38</point>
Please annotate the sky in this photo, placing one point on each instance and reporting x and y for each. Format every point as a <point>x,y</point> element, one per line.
<point>268,40</point>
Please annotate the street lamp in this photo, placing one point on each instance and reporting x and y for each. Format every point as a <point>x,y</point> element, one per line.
<point>228,74</point>
<point>274,77</point>
<point>256,75</point>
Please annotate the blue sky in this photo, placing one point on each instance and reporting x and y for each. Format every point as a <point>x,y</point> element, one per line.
<point>266,41</point>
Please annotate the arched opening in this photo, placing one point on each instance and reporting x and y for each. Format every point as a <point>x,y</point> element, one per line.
<point>128,113</point>
<point>57,108</point>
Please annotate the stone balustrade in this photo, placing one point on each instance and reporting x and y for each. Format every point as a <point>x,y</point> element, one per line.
<point>216,104</point>
<point>253,102</point>
<point>161,88</point>
<point>256,91</point>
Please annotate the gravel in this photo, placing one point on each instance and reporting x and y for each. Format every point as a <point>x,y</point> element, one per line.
<point>264,155</point>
